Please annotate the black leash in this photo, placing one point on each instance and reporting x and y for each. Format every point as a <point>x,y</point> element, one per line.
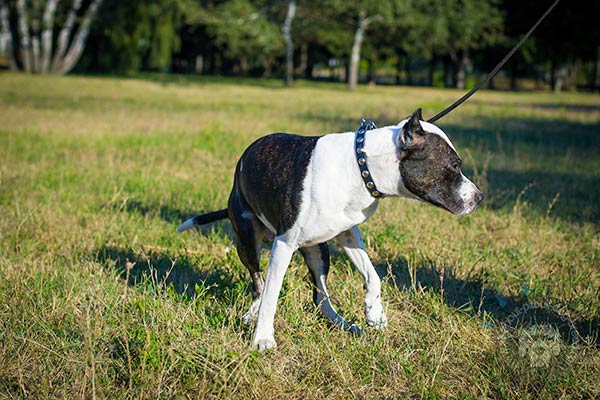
<point>495,70</point>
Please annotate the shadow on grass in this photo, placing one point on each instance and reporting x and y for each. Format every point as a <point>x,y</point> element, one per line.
<point>575,195</point>
<point>163,211</point>
<point>177,216</point>
<point>160,270</point>
<point>559,149</point>
<point>471,295</point>
<point>567,107</point>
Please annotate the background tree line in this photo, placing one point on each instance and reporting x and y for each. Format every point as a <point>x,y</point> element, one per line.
<point>418,42</point>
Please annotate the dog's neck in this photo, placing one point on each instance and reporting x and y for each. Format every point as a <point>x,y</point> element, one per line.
<point>381,148</point>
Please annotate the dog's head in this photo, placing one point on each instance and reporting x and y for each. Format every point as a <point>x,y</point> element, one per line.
<point>430,168</point>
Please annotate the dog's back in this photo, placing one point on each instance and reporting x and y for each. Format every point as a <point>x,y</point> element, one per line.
<point>270,175</point>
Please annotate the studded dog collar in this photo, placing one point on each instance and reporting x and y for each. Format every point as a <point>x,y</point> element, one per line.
<point>361,157</point>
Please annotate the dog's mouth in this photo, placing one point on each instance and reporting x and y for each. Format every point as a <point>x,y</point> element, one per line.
<point>471,205</point>
<point>464,208</point>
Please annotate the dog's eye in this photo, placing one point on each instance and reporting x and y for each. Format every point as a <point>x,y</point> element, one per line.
<point>455,165</point>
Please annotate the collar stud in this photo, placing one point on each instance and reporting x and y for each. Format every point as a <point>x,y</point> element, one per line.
<point>361,157</point>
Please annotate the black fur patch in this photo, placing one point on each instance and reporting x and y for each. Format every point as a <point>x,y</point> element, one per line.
<point>270,175</point>
<point>430,170</point>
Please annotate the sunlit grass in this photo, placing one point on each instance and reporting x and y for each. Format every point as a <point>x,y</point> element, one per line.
<point>100,296</point>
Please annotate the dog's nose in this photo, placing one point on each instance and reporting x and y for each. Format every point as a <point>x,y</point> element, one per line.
<point>478,197</point>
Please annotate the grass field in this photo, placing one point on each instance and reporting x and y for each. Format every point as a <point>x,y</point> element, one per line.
<point>100,298</point>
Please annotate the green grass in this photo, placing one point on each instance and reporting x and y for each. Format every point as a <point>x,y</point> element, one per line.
<point>100,298</point>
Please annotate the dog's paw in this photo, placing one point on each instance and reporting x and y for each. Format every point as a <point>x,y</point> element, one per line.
<point>376,317</point>
<point>264,344</point>
<point>378,323</point>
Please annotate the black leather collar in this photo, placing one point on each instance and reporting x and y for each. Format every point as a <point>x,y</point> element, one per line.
<point>361,157</point>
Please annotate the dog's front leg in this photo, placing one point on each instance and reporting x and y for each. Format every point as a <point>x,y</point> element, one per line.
<point>351,241</point>
<point>281,255</point>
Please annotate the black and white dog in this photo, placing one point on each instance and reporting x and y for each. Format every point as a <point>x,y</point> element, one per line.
<point>303,191</point>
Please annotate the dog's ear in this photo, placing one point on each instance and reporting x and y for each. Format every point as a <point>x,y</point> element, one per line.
<point>419,114</point>
<point>411,129</point>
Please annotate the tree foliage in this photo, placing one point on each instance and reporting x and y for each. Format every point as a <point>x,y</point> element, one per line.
<point>417,40</point>
<point>137,35</point>
<point>243,30</point>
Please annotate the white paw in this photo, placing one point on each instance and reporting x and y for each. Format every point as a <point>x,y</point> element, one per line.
<point>264,344</point>
<point>376,317</point>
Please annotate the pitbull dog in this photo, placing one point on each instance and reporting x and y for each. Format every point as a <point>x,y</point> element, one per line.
<point>301,191</point>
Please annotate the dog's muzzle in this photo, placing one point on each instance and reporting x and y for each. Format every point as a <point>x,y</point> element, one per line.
<point>470,195</point>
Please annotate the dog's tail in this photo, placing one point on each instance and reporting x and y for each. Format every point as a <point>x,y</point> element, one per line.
<point>202,220</point>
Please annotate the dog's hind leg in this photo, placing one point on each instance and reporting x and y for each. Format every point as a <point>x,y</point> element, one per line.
<point>354,247</point>
<point>317,260</point>
<point>248,248</point>
<point>281,255</point>
<point>249,232</point>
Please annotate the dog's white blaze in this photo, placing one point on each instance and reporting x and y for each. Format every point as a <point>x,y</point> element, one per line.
<point>468,191</point>
<point>429,127</point>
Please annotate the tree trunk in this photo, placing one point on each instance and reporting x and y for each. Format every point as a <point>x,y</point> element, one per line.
<point>7,35</point>
<point>431,71</point>
<point>363,23</point>
<point>449,72</point>
<point>289,46</point>
<point>596,81</point>
<point>399,68</point>
<point>35,46</point>
<point>79,40</point>
<point>302,68</point>
<point>559,77</point>
<point>514,84</point>
<point>199,64</point>
<point>63,37</point>
<point>372,71</point>
<point>461,69</point>
<point>570,71</point>
<point>308,74</point>
<point>48,22</point>
<point>408,72</point>
<point>35,49</point>
<point>25,39</point>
